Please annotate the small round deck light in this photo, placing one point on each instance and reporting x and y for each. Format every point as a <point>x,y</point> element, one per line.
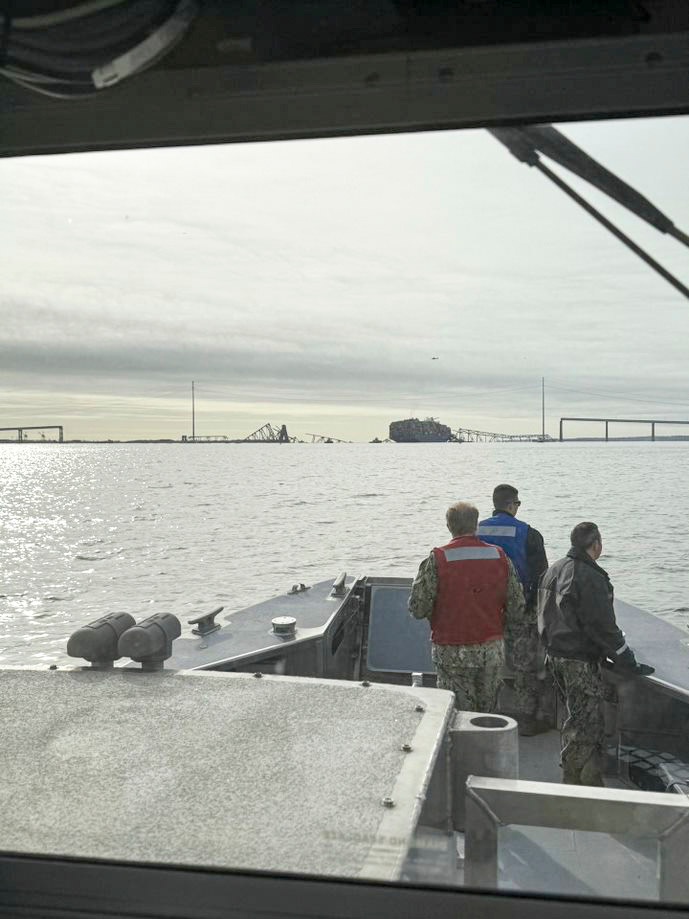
<point>284,626</point>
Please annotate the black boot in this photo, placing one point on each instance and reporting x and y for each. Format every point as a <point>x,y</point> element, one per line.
<point>529,727</point>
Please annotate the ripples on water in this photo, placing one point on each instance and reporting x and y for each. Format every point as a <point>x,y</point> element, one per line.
<point>87,530</point>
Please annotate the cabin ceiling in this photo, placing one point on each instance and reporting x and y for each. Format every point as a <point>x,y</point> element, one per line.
<point>250,70</point>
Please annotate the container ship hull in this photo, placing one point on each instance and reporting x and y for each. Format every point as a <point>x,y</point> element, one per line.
<point>413,431</point>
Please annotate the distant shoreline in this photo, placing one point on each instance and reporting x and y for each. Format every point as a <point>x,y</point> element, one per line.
<point>163,440</point>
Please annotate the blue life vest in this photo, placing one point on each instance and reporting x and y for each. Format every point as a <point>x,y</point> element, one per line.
<point>510,534</point>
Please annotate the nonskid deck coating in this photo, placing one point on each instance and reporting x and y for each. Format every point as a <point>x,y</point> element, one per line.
<point>222,770</point>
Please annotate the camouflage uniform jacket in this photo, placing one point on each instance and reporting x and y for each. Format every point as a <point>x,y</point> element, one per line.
<point>425,588</point>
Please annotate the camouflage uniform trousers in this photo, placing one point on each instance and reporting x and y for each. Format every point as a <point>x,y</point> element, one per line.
<point>580,685</point>
<point>525,659</point>
<point>472,672</point>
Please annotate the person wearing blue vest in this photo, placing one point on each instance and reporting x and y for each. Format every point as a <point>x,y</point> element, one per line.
<point>523,545</point>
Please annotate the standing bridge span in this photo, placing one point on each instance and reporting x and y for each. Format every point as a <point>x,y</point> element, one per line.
<point>608,421</point>
<point>21,429</point>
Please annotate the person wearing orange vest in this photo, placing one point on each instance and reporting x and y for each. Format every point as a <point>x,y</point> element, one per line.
<point>467,589</point>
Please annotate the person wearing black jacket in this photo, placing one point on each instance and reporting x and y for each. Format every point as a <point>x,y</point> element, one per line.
<point>576,619</point>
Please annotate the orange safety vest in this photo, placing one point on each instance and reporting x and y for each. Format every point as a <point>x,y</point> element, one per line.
<point>472,591</point>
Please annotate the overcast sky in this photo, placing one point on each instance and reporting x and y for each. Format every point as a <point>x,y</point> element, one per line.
<point>312,282</point>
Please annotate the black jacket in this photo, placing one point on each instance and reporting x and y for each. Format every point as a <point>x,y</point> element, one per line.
<point>576,617</point>
<point>536,562</point>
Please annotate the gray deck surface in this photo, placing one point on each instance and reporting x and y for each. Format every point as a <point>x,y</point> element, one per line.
<point>226,770</point>
<point>249,630</point>
<point>587,864</point>
<point>566,861</point>
<point>281,774</point>
<point>539,757</point>
<point>656,642</point>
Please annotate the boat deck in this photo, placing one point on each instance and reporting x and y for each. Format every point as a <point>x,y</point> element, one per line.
<point>287,771</point>
<point>571,862</point>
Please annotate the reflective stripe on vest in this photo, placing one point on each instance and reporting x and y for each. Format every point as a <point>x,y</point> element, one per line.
<point>456,555</point>
<point>511,535</point>
<point>472,591</point>
<point>484,530</point>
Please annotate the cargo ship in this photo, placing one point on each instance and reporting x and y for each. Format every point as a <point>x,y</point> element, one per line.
<point>413,431</point>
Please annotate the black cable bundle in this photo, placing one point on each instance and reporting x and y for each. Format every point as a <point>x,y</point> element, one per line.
<point>78,51</point>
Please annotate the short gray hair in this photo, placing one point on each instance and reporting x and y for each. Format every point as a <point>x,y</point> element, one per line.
<point>462,519</point>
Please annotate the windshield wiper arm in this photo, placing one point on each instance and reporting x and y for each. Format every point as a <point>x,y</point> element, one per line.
<point>526,143</point>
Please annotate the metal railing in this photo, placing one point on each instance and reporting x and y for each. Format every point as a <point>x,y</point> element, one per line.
<point>492,803</point>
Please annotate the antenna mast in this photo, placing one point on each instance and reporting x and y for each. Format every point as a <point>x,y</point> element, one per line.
<point>543,408</point>
<point>193,413</point>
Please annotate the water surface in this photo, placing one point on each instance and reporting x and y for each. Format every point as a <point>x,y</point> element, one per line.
<point>90,529</point>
